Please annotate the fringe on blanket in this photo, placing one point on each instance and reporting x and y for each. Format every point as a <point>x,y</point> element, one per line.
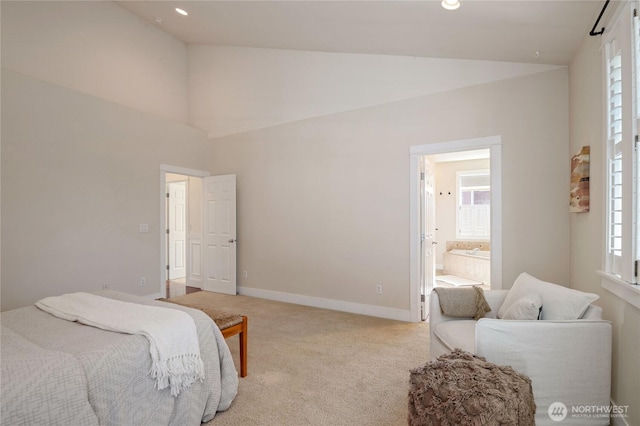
<point>179,372</point>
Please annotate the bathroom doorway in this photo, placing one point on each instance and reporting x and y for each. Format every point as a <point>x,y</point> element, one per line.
<point>456,205</point>
<point>462,201</point>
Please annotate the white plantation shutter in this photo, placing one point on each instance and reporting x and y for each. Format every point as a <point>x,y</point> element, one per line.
<point>636,165</point>
<point>621,59</point>
<point>482,220</point>
<point>466,220</point>
<point>473,216</point>
<point>614,147</point>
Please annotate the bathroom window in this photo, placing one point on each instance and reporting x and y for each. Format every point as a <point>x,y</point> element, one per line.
<point>473,198</point>
<point>621,56</point>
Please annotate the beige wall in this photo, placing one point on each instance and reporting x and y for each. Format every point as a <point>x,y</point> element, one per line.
<point>98,48</point>
<point>237,89</point>
<point>587,116</point>
<point>446,182</point>
<point>323,204</point>
<point>79,175</point>
<point>92,101</point>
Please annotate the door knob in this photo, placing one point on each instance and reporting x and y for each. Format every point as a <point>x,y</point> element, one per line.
<point>232,240</point>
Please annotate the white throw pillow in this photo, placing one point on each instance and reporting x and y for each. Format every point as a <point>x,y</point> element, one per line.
<point>524,309</point>
<point>558,302</point>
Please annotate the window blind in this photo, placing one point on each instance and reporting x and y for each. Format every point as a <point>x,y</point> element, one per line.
<point>614,145</point>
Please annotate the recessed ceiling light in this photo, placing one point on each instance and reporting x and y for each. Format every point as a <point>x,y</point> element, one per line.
<point>181,12</point>
<point>450,4</point>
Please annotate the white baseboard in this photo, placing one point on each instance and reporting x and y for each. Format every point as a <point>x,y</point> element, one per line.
<point>336,305</point>
<point>154,296</point>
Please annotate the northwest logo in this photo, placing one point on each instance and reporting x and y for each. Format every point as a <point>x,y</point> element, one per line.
<point>557,411</point>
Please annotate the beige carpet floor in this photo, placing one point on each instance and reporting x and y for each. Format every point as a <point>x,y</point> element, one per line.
<point>310,366</point>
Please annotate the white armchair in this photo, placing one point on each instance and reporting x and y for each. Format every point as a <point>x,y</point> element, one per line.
<point>568,361</point>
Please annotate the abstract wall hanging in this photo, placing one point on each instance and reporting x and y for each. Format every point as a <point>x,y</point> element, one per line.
<point>579,198</point>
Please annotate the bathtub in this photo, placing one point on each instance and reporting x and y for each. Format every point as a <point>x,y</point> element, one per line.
<point>470,264</point>
<point>475,253</point>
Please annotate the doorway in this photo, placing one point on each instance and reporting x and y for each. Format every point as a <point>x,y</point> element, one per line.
<point>182,238</point>
<point>181,230</point>
<point>462,204</point>
<point>176,221</point>
<point>210,245</point>
<point>428,238</point>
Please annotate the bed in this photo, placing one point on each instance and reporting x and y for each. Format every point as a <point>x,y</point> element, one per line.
<point>58,372</point>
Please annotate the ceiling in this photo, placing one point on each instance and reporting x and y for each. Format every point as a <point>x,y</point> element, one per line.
<point>506,30</point>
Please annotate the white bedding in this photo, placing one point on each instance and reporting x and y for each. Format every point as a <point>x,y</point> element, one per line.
<point>91,376</point>
<point>172,336</point>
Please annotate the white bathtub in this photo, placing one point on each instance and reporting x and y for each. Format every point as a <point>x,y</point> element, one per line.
<point>485,254</point>
<point>470,264</point>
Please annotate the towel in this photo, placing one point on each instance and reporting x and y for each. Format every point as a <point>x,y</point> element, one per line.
<point>462,302</point>
<point>172,334</point>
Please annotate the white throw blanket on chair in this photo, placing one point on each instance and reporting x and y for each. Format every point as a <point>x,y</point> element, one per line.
<point>172,334</point>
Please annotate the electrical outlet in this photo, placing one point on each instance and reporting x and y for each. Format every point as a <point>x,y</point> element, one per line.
<point>379,289</point>
<point>106,287</point>
<point>143,281</point>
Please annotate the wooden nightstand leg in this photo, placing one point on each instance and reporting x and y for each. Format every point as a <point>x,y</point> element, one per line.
<point>243,347</point>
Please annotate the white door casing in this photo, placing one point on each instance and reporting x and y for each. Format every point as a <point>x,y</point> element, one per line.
<point>428,230</point>
<point>494,143</point>
<point>177,229</point>
<point>162,229</point>
<point>219,252</point>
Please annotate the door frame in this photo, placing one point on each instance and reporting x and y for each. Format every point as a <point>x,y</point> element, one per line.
<point>164,169</point>
<point>494,144</point>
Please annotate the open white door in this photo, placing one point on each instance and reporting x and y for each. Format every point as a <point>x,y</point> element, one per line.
<point>177,229</point>
<point>220,234</point>
<point>427,232</point>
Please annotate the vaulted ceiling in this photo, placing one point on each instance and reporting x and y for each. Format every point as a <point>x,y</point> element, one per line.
<point>539,31</point>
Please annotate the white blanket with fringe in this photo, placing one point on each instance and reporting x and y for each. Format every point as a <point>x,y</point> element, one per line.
<point>172,335</point>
